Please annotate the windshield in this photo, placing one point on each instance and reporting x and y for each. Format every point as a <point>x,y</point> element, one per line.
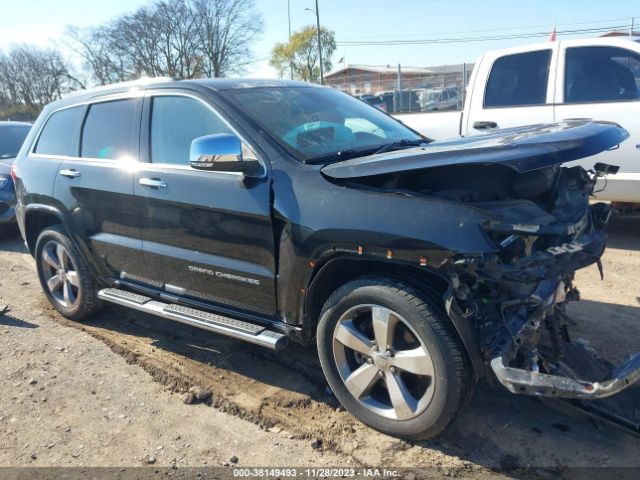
<point>316,123</point>
<point>11,138</point>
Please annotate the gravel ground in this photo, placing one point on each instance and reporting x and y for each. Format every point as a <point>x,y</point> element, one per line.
<point>109,393</point>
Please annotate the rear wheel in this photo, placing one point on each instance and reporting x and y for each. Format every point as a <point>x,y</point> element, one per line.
<point>64,276</point>
<point>391,359</point>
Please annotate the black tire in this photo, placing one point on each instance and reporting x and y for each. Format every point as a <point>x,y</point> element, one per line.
<point>84,290</point>
<point>424,319</point>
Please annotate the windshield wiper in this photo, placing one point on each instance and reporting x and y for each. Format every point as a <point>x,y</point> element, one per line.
<point>401,143</point>
<point>362,152</point>
<point>343,155</point>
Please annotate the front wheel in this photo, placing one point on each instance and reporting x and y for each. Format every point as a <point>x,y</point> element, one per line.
<point>391,359</point>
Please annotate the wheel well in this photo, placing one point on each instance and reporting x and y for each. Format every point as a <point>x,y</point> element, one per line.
<point>339,271</point>
<point>36,222</point>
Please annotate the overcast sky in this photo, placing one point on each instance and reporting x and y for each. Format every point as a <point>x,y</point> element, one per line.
<point>43,21</point>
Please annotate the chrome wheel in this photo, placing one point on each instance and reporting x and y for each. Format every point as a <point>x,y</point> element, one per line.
<point>60,274</point>
<point>383,362</point>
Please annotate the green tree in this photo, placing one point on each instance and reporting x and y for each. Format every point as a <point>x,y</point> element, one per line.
<point>299,57</point>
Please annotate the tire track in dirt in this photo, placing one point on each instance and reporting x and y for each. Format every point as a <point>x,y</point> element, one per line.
<point>275,391</point>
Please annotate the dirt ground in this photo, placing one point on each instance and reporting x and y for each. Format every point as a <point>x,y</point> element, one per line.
<point>108,393</point>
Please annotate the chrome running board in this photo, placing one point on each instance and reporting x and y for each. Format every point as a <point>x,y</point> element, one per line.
<point>249,332</point>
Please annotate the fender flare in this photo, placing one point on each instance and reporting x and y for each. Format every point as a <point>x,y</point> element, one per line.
<point>55,212</point>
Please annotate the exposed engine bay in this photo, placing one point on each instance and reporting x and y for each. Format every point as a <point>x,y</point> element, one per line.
<point>545,229</point>
<point>518,296</point>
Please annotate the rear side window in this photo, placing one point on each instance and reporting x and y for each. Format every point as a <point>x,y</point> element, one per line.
<point>11,139</point>
<point>175,122</point>
<point>601,74</point>
<point>109,131</point>
<point>518,80</point>
<point>61,132</point>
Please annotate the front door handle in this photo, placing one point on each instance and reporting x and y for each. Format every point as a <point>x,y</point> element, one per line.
<point>484,125</point>
<point>152,182</point>
<point>70,173</point>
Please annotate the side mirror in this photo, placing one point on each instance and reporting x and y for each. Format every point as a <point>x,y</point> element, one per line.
<point>222,152</point>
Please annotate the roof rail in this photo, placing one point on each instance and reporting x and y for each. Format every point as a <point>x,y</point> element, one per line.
<point>129,83</point>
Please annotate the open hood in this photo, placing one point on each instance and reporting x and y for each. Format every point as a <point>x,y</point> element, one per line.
<point>521,148</point>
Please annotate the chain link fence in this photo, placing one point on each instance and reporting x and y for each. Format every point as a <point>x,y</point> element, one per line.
<point>403,89</point>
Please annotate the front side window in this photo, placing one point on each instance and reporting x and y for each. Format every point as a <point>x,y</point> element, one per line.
<point>315,124</point>
<point>109,130</point>
<point>60,134</point>
<point>601,74</point>
<point>175,122</point>
<point>11,138</point>
<point>518,80</point>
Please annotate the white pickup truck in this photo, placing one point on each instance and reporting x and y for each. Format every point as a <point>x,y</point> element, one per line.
<point>595,78</point>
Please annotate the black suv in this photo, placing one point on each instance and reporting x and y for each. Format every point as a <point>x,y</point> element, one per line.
<point>12,134</point>
<point>272,211</point>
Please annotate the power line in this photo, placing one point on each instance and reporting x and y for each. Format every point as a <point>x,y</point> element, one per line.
<point>427,41</point>
<point>367,5</point>
<point>518,28</point>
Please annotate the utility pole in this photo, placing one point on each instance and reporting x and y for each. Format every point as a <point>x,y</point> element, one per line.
<point>289,17</point>
<point>463,88</point>
<point>317,12</point>
<point>400,102</point>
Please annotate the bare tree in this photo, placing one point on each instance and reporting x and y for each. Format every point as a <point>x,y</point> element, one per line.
<point>225,30</point>
<point>93,46</point>
<point>177,38</point>
<point>31,77</point>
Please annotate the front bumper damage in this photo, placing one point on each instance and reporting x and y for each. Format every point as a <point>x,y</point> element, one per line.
<point>518,305</point>
<point>517,380</point>
<point>568,366</point>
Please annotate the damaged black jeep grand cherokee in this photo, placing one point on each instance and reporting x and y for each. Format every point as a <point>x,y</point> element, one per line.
<point>276,211</point>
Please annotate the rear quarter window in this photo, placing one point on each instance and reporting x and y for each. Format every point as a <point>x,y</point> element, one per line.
<point>109,130</point>
<point>11,138</point>
<point>60,135</point>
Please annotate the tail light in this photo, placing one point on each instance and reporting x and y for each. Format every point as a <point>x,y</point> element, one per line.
<point>14,172</point>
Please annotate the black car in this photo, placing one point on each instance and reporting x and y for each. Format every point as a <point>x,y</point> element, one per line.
<point>12,134</point>
<point>272,211</point>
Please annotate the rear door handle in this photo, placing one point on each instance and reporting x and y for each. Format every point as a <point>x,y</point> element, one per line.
<point>484,125</point>
<point>70,173</point>
<point>152,182</point>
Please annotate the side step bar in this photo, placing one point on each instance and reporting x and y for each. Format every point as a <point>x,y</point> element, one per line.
<point>249,332</point>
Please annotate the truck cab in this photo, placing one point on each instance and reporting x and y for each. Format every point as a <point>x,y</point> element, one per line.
<point>554,81</point>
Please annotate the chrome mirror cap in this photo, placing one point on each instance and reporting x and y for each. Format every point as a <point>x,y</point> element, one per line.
<point>220,151</point>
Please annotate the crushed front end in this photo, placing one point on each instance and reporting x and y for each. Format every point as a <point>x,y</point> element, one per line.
<point>517,223</point>
<point>517,297</point>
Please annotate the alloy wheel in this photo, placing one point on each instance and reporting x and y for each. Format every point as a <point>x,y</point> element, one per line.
<point>60,274</point>
<point>383,362</point>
